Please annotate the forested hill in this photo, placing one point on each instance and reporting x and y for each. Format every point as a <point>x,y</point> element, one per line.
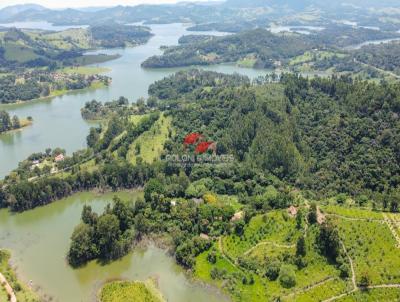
<point>30,48</point>
<point>259,44</point>
<point>260,48</point>
<point>322,136</point>
<point>326,135</point>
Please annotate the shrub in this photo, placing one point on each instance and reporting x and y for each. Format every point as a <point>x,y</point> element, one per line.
<point>287,276</point>
<point>273,269</point>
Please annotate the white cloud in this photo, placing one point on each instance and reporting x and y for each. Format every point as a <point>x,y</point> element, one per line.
<point>88,3</point>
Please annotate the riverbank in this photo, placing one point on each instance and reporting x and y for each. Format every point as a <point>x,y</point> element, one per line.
<point>11,289</point>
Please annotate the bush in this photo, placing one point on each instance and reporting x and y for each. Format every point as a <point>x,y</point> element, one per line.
<point>273,269</point>
<point>287,276</point>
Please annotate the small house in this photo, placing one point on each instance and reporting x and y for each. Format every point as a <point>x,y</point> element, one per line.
<point>59,158</point>
<point>292,211</point>
<point>237,216</point>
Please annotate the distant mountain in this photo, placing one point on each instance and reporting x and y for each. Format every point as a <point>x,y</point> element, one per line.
<point>231,11</point>
<point>11,11</point>
<point>300,4</point>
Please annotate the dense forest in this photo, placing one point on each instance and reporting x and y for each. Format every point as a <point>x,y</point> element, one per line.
<point>116,35</point>
<point>385,56</point>
<point>262,44</point>
<point>324,136</point>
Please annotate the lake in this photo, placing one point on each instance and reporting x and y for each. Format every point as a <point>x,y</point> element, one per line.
<point>58,122</point>
<point>39,242</point>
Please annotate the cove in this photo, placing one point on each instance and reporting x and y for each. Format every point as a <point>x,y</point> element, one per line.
<point>58,122</point>
<point>39,240</point>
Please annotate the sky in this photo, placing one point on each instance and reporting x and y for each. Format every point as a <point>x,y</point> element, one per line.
<point>88,3</point>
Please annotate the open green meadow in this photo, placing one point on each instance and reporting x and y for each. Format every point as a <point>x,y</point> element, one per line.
<point>150,144</point>
<point>122,291</point>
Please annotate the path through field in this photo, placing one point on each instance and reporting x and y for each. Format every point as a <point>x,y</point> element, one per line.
<point>392,224</point>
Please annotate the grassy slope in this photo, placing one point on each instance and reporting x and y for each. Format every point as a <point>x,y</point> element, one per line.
<point>151,142</point>
<point>19,53</point>
<point>269,237</point>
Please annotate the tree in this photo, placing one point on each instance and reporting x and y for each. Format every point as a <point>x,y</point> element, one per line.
<point>107,232</point>
<point>82,247</point>
<point>88,216</point>
<point>365,279</point>
<point>239,227</point>
<point>15,122</point>
<point>152,186</point>
<point>301,247</point>
<point>123,213</point>
<point>5,121</point>
<point>299,219</point>
<point>312,214</point>
<point>287,276</point>
<point>212,257</point>
<point>329,241</point>
<point>273,269</point>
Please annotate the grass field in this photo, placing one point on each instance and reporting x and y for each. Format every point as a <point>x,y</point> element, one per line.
<point>151,142</point>
<point>373,295</point>
<point>271,238</point>
<point>373,249</point>
<point>311,56</point>
<point>122,291</point>
<point>352,212</point>
<point>69,39</point>
<point>19,53</point>
<point>276,227</point>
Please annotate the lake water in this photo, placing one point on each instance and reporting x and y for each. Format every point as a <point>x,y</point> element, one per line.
<point>58,122</point>
<point>372,42</point>
<point>39,241</point>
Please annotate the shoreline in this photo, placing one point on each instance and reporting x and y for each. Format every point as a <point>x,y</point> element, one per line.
<point>26,124</point>
<point>94,86</point>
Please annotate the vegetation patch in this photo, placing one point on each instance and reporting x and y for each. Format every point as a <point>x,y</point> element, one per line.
<point>122,291</point>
